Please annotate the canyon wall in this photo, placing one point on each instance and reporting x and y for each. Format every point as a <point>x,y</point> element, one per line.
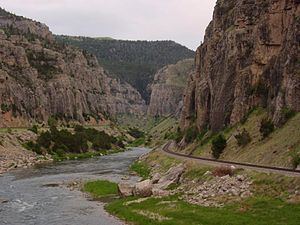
<point>168,87</point>
<point>249,58</point>
<point>40,78</point>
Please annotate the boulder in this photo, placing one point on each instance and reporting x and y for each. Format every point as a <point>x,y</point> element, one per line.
<point>155,178</point>
<point>171,177</point>
<point>125,189</point>
<point>143,189</point>
<point>160,193</point>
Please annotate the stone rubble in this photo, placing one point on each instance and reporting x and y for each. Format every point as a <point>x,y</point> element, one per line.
<point>13,155</point>
<point>207,192</point>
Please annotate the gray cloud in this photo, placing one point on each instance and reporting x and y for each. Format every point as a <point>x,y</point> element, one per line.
<point>183,21</point>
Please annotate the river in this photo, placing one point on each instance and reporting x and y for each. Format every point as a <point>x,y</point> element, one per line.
<point>35,199</point>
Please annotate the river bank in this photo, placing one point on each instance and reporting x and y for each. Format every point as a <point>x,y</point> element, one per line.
<point>178,191</point>
<point>13,154</point>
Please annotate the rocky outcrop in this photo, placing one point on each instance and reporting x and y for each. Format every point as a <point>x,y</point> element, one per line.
<point>156,186</point>
<point>168,87</point>
<point>125,189</point>
<point>171,177</point>
<point>249,58</point>
<point>41,78</point>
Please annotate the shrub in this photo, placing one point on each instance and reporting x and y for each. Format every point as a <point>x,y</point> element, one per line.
<point>266,127</point>
<point>44,140</point>
<point>243,138</point>
<point>191,134</point>
<point>9,130</point>
<point>52,122</point>
<point>295,159</point>
<point>287,113</point>
<point>222,171</point>
<point>30,145</point>
<point>62,141</point>
<point>136,133</point>
<point>34,129</point>
<point>5,108</point>
<point>219,143</point>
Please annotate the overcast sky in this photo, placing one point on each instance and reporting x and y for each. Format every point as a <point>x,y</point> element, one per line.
<point>183,21</point>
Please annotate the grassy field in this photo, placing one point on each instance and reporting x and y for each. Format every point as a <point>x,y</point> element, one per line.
<point>275,150</point>
<point>100,188</point>
<point>172,211</point>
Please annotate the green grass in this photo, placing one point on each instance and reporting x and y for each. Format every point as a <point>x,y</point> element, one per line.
<point>138,142</point>
<point>101,188</point>
<point>142,169</point>
<point>172,211</point>
<point>275,150</point>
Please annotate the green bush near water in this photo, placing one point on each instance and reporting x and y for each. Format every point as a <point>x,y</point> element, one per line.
<point>60,142</point>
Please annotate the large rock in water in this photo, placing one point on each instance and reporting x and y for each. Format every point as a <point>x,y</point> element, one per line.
<point>125,189</point>
<point>171,177</point>
<point>143,189</point>
<point>249,58</point>
<point>40,78</point>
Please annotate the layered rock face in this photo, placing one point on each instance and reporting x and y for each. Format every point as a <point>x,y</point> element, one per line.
<point>250,57</point>
<point>41,78</point>
<point>168,87</point>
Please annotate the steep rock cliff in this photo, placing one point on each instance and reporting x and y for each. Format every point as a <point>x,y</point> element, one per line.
<point>168,87</point>
<point>41,78</point>
<point>250,57</point>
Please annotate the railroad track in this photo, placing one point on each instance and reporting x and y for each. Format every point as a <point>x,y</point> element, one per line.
<point>216,162</point>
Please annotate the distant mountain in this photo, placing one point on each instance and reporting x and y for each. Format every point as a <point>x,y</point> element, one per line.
<point>135,62</point>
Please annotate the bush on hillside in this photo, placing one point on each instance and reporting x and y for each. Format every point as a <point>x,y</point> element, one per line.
<point>136,133</point>
<point>191,134</point>
<point>243,138</point>
<point>287,114</point>
<point>219,143</point>
<point>266,127</point>
<point>34,129</point>
<point>295,159</point>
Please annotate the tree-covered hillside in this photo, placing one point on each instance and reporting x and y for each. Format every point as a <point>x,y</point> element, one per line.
<point>133,61</point>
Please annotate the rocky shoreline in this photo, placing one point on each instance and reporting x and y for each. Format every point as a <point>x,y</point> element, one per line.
<point>12,153</point>
<point>211,191</point>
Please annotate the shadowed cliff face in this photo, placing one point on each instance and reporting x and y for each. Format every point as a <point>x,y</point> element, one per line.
<point>168,87</point>
<point>40,78</point>
<point>250,57</point>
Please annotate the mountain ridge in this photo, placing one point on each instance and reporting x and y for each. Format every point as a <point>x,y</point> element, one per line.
<point>135,62</point>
